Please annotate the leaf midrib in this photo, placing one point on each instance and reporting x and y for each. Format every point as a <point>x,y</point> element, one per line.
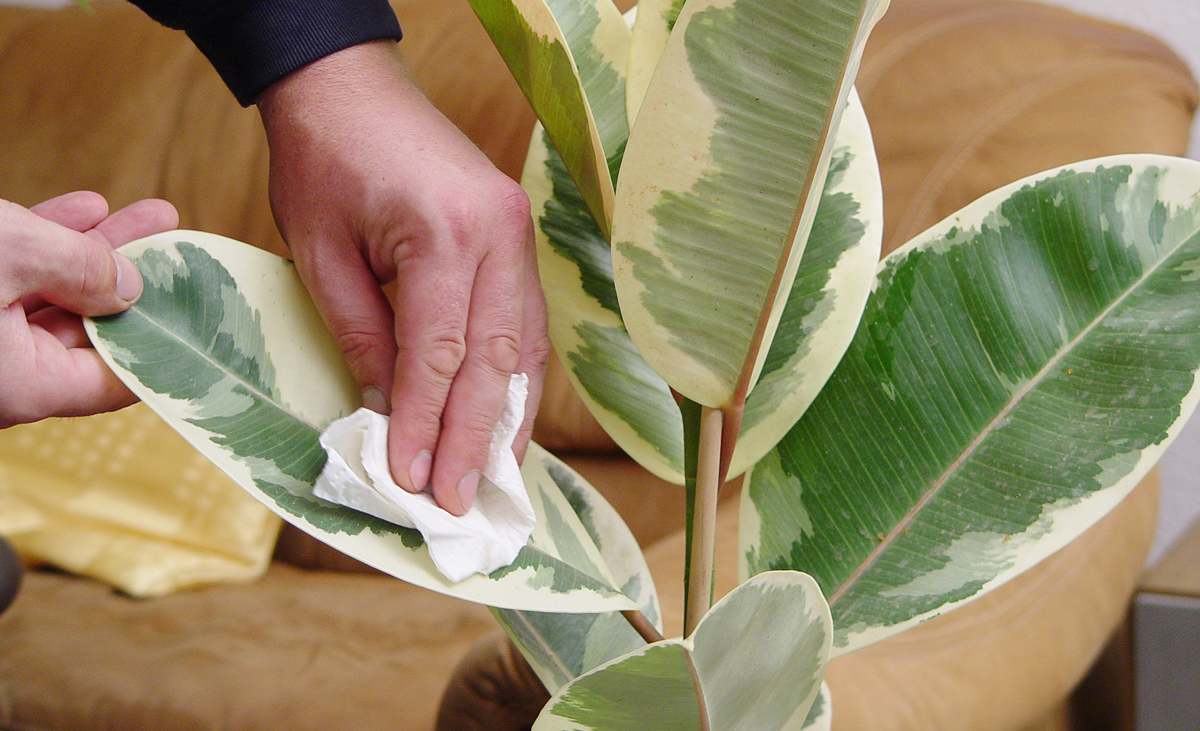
<point>257,392</point>
<point>1014,401</point>
<point>193,347</point>
<point>807,200</point>
<point>557,660</point>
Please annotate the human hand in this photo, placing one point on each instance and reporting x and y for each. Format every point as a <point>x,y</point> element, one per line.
<point>57,263</point>
<point>370,184</point>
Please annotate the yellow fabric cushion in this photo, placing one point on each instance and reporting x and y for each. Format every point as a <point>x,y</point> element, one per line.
<point>123,499</point>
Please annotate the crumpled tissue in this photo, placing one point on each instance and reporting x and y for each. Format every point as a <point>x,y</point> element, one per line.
<point>486,538</point>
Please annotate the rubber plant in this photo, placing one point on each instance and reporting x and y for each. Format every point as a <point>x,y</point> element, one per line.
<point>914,432</point>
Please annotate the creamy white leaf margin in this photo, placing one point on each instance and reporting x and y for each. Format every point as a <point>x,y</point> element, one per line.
<point>316,387</point>
<point>849,285</point>
<point>560,647</point>
<point>650,33</point>
<point>829,327</point>
<point>670,159</point>
<point>768,679</point>
<point>1007,555</point>
<point>820,714</point>
<point>537,52</point>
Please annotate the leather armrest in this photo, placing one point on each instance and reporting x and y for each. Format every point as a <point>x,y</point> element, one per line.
<point>10,575</point>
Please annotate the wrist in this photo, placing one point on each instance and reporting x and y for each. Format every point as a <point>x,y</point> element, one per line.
<point>336,85</point>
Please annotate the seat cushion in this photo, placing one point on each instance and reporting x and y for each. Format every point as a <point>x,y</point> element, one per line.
<point>295,650</point>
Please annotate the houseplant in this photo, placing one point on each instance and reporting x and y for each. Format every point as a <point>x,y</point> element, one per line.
<point>254,319</point>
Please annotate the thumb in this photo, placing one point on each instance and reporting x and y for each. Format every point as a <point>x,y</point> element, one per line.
<point>67,268</point>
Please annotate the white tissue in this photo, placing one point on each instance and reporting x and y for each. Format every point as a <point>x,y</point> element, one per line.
<point>486,538</point>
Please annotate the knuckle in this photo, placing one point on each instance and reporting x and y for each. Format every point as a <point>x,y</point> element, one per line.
<point>512,203</point>
<point>538,353</point>
<point>501,350</point>
<point>443,356</point>
<point>96,274</point>
<point>461,221</point>
<point>359,345</point>
<point>421,417</point>
<point>472,431</point>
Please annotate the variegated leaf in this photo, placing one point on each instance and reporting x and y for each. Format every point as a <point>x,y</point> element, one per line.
<point>767,679</point>
<point>630,400</point>
<point>716,196</point>
<point>654,21</point>
<point>820,715</point>
<point>1019,368</point>
<point>561,647</point>
<point>225,346</point>
<point>827,296</point>
<point>569,57</point>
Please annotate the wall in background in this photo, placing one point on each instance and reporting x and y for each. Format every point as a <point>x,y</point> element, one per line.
<point>1178,23</point>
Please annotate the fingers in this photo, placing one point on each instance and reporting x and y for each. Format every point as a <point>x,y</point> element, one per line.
<point>431,303</point>
<point>66,328</point>
<point>135,221</point>
<point>535,350</point>
<point>477,395</point>
<point>86,386</point>
<point>65,267</point>
<point>78,211</point>
<point>39,377</point>
<point>357,314</point>
<point>47,367</point>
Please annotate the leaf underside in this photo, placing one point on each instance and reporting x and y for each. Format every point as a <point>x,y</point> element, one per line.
<point>768,679</point>
<point>560,647</point>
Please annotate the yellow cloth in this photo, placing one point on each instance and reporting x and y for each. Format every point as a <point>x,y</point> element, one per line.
<point>123,499</point>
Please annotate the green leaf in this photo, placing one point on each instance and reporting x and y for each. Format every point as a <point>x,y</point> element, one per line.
<point>568,57</point>
<point>1019,368</point>
<point>225,346</point>
<point>626,396</point>
<point>716,196</point>
<point>820,715</point>
<point>766,680</point>
<point>560,647</point>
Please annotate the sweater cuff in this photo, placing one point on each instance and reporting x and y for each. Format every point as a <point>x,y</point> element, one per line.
<point>272,38</point>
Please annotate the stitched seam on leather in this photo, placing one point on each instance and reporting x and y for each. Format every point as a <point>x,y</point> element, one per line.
<point>886,57</point>
<point>1006,109</point>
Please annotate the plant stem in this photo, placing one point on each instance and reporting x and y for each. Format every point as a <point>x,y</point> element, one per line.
<point>642,626</point>
<point>704,519</point>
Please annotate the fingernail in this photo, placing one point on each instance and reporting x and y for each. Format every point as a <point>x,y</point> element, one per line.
<point>129,280</point>
<point>374,399</point>
<point>467,487</point>
<point>419,470</point>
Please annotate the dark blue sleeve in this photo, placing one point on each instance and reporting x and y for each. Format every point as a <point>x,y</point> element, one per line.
<point>253,43</point>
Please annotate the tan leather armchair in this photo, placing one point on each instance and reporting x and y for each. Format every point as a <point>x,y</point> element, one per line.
<point>963,95</point>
